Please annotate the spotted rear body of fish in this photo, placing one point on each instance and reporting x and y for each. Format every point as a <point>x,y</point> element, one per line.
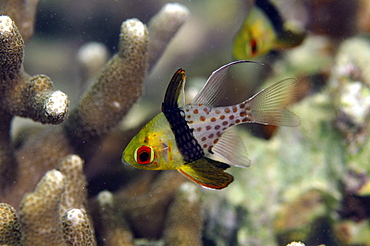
<point>188,137</point>
<point>210,123</point>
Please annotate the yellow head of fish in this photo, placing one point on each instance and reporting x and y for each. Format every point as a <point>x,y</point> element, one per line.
<point>153,147</point>
<point>256,37</point>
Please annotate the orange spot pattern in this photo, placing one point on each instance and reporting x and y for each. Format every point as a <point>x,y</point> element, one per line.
<point>209,123</point>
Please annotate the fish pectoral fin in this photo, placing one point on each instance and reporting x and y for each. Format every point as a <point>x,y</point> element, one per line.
<point>207,173</point>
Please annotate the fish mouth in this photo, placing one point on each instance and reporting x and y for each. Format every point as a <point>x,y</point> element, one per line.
<point>124,161</point>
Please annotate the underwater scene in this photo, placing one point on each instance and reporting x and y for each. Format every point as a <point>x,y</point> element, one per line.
<point>196,122</point>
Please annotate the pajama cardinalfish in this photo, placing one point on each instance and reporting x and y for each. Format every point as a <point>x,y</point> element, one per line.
<point>264,30</point>
<point>189,137</point>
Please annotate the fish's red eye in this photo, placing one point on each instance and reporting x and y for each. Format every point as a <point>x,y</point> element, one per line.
<point>144,155</point>
<point>253,47</point>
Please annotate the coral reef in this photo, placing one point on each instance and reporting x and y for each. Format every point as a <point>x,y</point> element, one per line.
<point>75,193</point>
<point>77,229</point>
<point>39,211</point>
<point>173,15</point>
<point>22,13</point>
<point>55,213</point>
<point>184,217</point>
<point>10,232</point>
<point>110,222</point>
<point>117,87</point>
<point>309,183</point>
<point>22,95</point>
<point>122,215</point>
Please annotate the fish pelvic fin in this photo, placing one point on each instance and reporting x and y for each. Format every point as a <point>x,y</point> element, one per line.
<point>207,173</point>
<point>268,106</point>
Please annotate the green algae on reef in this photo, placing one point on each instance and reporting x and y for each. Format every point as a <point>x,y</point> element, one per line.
<point>297,181</point>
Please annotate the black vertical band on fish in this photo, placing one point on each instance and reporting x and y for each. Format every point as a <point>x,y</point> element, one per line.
<point>185,141</point>
<point>270,10</point>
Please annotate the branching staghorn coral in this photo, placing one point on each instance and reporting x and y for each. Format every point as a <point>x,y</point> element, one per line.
<point>10,232</point>
<point>77,229</point>
<point>115,90</point>
<point>75,193</point>
<point>22,95</point>
<point>47,219</point>
<point>184,221</point>
<point>110,222</point>
<point>54,214</point>
<point>164,206</point>
<point>91,58</point>
<point>162,28</point>
<point>146,205</point>
<point>39,211</point>
<point>63,192</point>
<point>118,86</point>
<point>22,13</point>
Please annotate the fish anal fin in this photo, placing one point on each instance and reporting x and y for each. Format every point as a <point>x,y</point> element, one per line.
<point>231,148</point>
<point>218,164</point>
<point>207,173</point>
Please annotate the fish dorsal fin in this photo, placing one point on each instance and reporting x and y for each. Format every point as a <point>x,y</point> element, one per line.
<point>213,90</point>
<point>207,173</point>
<point>231,148</point>
<point>268,106</point>
<point>174,96</point>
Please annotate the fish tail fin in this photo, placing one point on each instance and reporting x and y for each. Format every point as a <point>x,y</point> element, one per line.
<point>268,106</point>
<point>207,173</point>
